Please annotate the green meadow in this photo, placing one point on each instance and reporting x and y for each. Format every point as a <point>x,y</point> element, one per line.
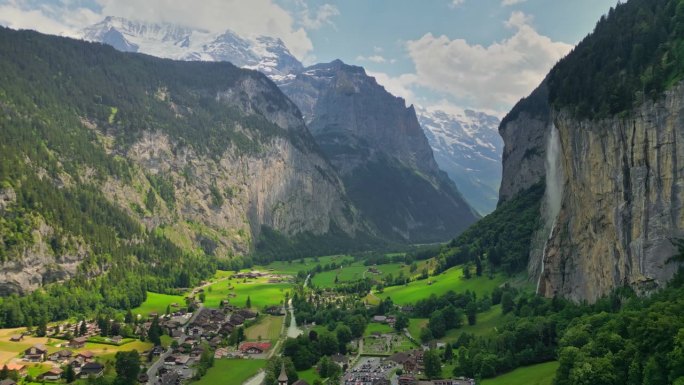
<point>487,322</point>
<point>231,371</point>
<point>357,271</point>
<point>260,292</point>
<point>374,327</point>
<point>157,303</point>
<point>451,279</point>
<point>540,374</point>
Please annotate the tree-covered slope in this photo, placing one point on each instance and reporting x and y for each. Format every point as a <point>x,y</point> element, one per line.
<point>635,52</point>
<point>123,173</point>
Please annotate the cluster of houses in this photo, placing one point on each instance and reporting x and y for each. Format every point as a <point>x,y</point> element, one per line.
<point>83,363</point>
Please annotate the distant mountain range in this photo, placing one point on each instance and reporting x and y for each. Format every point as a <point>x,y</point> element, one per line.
<point>467,146</point>
<point>266,54</point>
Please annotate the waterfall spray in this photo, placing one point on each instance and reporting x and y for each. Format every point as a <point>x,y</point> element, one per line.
<point>554,189</point>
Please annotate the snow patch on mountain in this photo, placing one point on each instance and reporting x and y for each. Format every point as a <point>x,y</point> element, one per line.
<point>468,147</point>
<point>262,53</point>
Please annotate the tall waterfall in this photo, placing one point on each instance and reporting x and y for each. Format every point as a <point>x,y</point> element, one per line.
<point>554,189</point>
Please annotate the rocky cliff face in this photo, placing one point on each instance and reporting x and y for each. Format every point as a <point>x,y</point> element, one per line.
<point>381,152</point>
<point>622,203</point>
<point>524,131</point>
<point>203,154</point>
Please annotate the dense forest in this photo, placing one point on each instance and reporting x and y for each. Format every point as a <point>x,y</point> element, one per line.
<point>499,241</point>
<point>635,53</point>
<point>52,166</point>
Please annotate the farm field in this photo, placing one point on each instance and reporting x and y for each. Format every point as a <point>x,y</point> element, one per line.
<point>451,279</point>
<point>540,374</point>
<point>231,371</point>
<point>268,328</point>
<point>157,303</point>
<point>261,292</point>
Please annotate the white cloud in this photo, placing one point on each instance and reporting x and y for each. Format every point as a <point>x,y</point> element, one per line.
<point>456,3</point>
<point>398,86</point>
<point>511,2</point>
<point>321,17</point>
<point>256,17</point>
<point>492,77</point>
<point>373,58</point>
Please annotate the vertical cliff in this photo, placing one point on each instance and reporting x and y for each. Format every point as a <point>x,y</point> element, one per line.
<point>617,104</point>
<point>623,201</point>
<point>384,159</point>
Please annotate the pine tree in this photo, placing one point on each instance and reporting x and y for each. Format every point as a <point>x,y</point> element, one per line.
<point>248,304</point>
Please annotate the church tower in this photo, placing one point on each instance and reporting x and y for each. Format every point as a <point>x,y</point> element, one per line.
<point>282,378</point>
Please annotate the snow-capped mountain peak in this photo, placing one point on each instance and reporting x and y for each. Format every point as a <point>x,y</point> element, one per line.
<point>266,54</point>
<point>468,147</point>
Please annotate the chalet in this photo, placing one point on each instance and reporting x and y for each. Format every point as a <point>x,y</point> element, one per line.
<point>35,353</point>
<point>247,314</point>
<point>78,342</point>
<point>157,351</point>
<point>236,320</point>
<point>255,347</point>
<point>458,381</point>
<point>53,374</point>
<point>182,359</point>
<point>195,331</point>
<point>196,352</point>
<point>92,370</point>
<point>170,360</point>
<point>380,319</point>
<point>117,339</point>
<point>17,338</point>
<point>407,309</point>
<point>407,379</point>
<point>374,270</point>
<point>216,341</point>
<point>340,359</point>
<point>381,381</point>
<point>85,356</point>
<point>226,329</point>
<point>20,369</point>
<point>170,378</point>
<point>143,378</point>
<point>8,381</point>
<point>274,310</point>
<point>62,355</point>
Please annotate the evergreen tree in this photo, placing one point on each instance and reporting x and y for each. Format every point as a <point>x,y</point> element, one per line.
<point>69,374</point>
<point>248,303</point>
<point>127,367</point>
<point>432,364</point>
<point>471,312</point>
<point>448,353</point>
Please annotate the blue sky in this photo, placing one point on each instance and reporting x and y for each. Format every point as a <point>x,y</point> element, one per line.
<point>447,54</point>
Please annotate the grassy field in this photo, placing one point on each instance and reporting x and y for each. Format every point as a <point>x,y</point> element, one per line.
<point>309,375</point>
<point>415,326</point>
<point>268,328</point>
<point>451,279</point>
<point>261,292</point>
<point>231,372</point>
<point>377,327</point>
<point>157,303</point>
<point>358,271</point>
<point>486,323</point>
<point>540,374</point>
<point>305,264</point>
<point>10,350</point>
